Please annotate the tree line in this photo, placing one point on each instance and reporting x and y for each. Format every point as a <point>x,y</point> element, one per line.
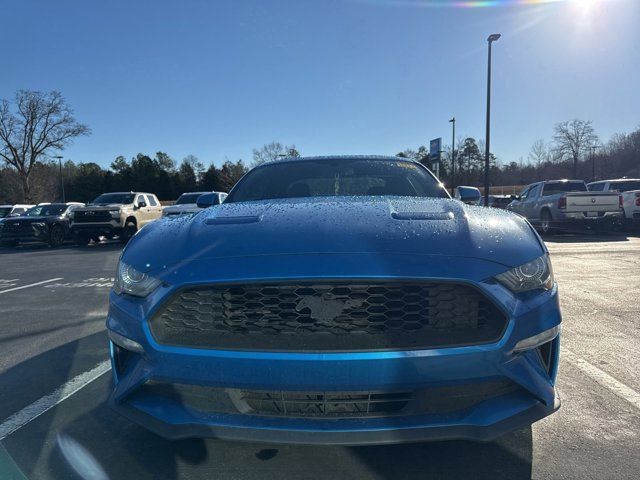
<point>36,126</point>
<point>574,151</point>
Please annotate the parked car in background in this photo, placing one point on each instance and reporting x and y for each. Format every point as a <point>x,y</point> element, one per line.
<point>568,205</point>
<point>49,223</point>
<point>188,203</point>
<point>336,300</point>
<point>629,188</point>
<point>117,214</point>
<point>468,195</point>
<point>498,201</point>
<point>9,211</point>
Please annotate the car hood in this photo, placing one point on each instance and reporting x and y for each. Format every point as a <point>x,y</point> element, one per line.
<point>335,225</point>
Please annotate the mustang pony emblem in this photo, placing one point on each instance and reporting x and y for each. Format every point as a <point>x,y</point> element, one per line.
<point>325,309</point>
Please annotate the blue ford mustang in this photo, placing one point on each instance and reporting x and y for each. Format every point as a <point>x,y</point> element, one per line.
<point>341,300</point>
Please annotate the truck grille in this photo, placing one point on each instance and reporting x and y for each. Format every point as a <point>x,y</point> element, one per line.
<point>328,316</point>
<point>17,228</point>
<point>91,216</point>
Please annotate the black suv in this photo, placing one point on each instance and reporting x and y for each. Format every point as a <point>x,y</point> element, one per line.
<point>47,223</point>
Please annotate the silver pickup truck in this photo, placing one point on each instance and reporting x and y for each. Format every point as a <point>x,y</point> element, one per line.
<point>567,205</point>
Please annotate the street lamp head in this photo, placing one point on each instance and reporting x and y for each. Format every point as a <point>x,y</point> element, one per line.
<point>58,157</point>
<point>452,120</point>
<point>493,37</point>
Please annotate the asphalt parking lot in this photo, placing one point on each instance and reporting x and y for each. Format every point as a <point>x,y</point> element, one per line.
<point>54,422</point>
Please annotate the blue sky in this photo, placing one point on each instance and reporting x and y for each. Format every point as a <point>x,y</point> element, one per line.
<point>218,78</point>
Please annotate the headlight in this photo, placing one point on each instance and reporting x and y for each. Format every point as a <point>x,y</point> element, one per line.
<point>132,282</point>
<point>115,213</point>
<point>535,274</point>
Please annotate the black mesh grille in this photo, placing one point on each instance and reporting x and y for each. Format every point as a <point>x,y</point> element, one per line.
<point>91,216</point>
<point>328,316</point>
<point>340,404</point>
<point>322,404</point>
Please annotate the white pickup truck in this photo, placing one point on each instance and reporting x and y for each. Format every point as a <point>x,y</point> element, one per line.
<point>568,205</point>
<point>629,188</point>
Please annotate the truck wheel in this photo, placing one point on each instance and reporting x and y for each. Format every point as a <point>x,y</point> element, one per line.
<point>546,220</point>
<point>82,240</point>
<point>129,231</point>
<point>56,236</point>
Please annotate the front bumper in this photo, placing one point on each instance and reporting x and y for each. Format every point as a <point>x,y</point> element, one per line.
<point>107,229</point>
<point>173,417</point>
<point>35,234</point>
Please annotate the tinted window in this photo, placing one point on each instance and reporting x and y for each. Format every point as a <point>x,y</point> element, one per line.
<point>140,199</point>
<point>596,187</point>
<point>152,201</point>
<point>108,198</point>
<point>562,187</point>
<point>336,177</point>
<point>188,198</point>
<point>47,210</point>
<point>4,212</point>
<point>625,186</point>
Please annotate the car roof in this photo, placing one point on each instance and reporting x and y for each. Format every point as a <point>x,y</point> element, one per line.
<point>125,193</point>
<point>564,180</point>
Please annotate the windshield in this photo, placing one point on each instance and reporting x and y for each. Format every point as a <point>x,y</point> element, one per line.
<point>114,198</point>
<point>46,210</point>
<point>188,198</point>
<point>4,211</point>
<point>625,186</point>
<point>563,187</point>
<point>337,177</point>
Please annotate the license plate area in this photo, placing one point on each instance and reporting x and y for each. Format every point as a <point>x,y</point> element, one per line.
<point>591,214</point>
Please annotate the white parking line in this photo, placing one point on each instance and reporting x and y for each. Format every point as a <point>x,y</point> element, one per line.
<point>603,378</point>
<point>40,406</point>
<point>30,285</point>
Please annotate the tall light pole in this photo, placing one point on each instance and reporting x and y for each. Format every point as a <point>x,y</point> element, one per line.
<point>492,38</point>
<point>453,153</point>
<point>59,157</point>
<point>593,161</point>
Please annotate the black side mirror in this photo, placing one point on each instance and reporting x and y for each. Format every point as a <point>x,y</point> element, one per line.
<point>514,197</point>
<point>207,200</point>
<point>142,204</point>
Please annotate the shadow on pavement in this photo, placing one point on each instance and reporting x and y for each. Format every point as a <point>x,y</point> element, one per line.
<point>509,457</point>
<point>29,380</point>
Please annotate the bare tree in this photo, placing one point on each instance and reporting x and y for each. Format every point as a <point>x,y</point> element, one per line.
<point>272,151</point>
<point>539,153</point>
<point>573,139</point>
<point>41,124</point>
